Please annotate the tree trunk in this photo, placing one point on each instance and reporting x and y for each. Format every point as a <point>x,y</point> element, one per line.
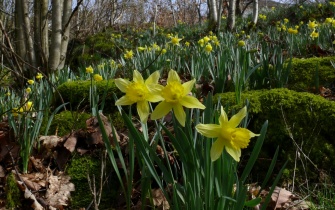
<point>213,15</point>
<point>56,35</point>
<point>255,12</point>
<point>41,32</point>
<point>231,15</point>
<point>20,46</point>
<point>31,58</point>
<point>67,10</point>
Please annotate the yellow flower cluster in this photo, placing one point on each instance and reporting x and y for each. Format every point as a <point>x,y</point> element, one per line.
<point>262,17</point>
<point>207,42</point>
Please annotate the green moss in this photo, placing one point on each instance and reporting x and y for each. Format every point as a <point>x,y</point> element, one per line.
<point>66,121</point>
<point>82,166</point>
<point>304,116</point>
<point>12,192</point>
<point>77,93</point>
<point>303,72</point>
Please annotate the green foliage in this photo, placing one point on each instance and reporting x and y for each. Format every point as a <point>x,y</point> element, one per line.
<point>65,122</point>
<point>303,72</point>
<point>303,116</point>
<point>12,193</point>
<point>77,93</point>
<point>82,166</point>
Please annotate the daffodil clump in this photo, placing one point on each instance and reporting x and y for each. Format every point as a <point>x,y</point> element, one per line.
<point>174,96</point>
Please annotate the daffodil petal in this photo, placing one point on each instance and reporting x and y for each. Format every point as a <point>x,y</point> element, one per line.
<point>153,78</point>
<point>223,117</point>
<point>179,112</point>
<point>137,77</point>
<point>155,98</point>
<point>123,101</point>
<point>161,110</point>
<point>209,130</point>
<point>237,118</point>
<point>143,110</point>
<point>122,84</point>
<point>188,86</point>
<point>235,153</point>
<point>173,76</point>
<point>217,149</point>
<point>191,102</point>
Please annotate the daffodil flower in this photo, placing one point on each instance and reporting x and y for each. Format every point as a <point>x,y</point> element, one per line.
<point>97,77</point>
<point>30,81</point>
<point>175,40</point>
<point>140,92</point>
<point>176,95</point>
<point>39,76</point>
<point>228,136</point>
<point>89,70</point>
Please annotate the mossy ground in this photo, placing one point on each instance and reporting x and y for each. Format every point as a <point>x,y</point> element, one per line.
<point>88,165</point>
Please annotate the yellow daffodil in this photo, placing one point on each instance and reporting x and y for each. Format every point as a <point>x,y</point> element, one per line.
<point>241,43</point>
<point>228,136</point>
<point>15,112</point>
<point>163,51</point>
<point>292,31</point>
<point>208,48</point>
<point>206,39</point>
<point>39,76</point>
<point>175,40</point>
<point>28,90</point>
<point>140,92</point>
<point>97,77</point>
<point>8,94</point>
<point>30,81</point>
<point>89,70</point>
<point>314,34</point>
<point>262,17</point>
<point>312,24</point>
<point>329,20</point>
<point>187,44</point>
<point>29,105</point>
<point>286,20</point>
<point>201,42</point>
<point>176,95</point>
<point>129,54</point>
<point>141,48</point>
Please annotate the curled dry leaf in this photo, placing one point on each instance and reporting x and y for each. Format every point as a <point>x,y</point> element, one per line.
<point>58,192</point>
<point>281,198</point>
<point>94,133</point>
<point>159,199</point>
<point>71,143</point>
<point>34,181</point>
<point>50,142</point>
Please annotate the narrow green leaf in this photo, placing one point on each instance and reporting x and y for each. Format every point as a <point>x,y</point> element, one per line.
<point>255,153</point>
<point>253,202</point>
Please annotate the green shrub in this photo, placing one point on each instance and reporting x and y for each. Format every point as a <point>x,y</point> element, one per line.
<point>77,93</point>
<point>303,74</point>
<point>305,117</point>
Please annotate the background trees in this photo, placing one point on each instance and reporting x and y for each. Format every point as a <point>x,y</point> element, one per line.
<point>35,34</point>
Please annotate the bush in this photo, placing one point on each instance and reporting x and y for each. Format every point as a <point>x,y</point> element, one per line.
<point>303,74</point>
<point>303,116</point>
<point>77,93</point>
